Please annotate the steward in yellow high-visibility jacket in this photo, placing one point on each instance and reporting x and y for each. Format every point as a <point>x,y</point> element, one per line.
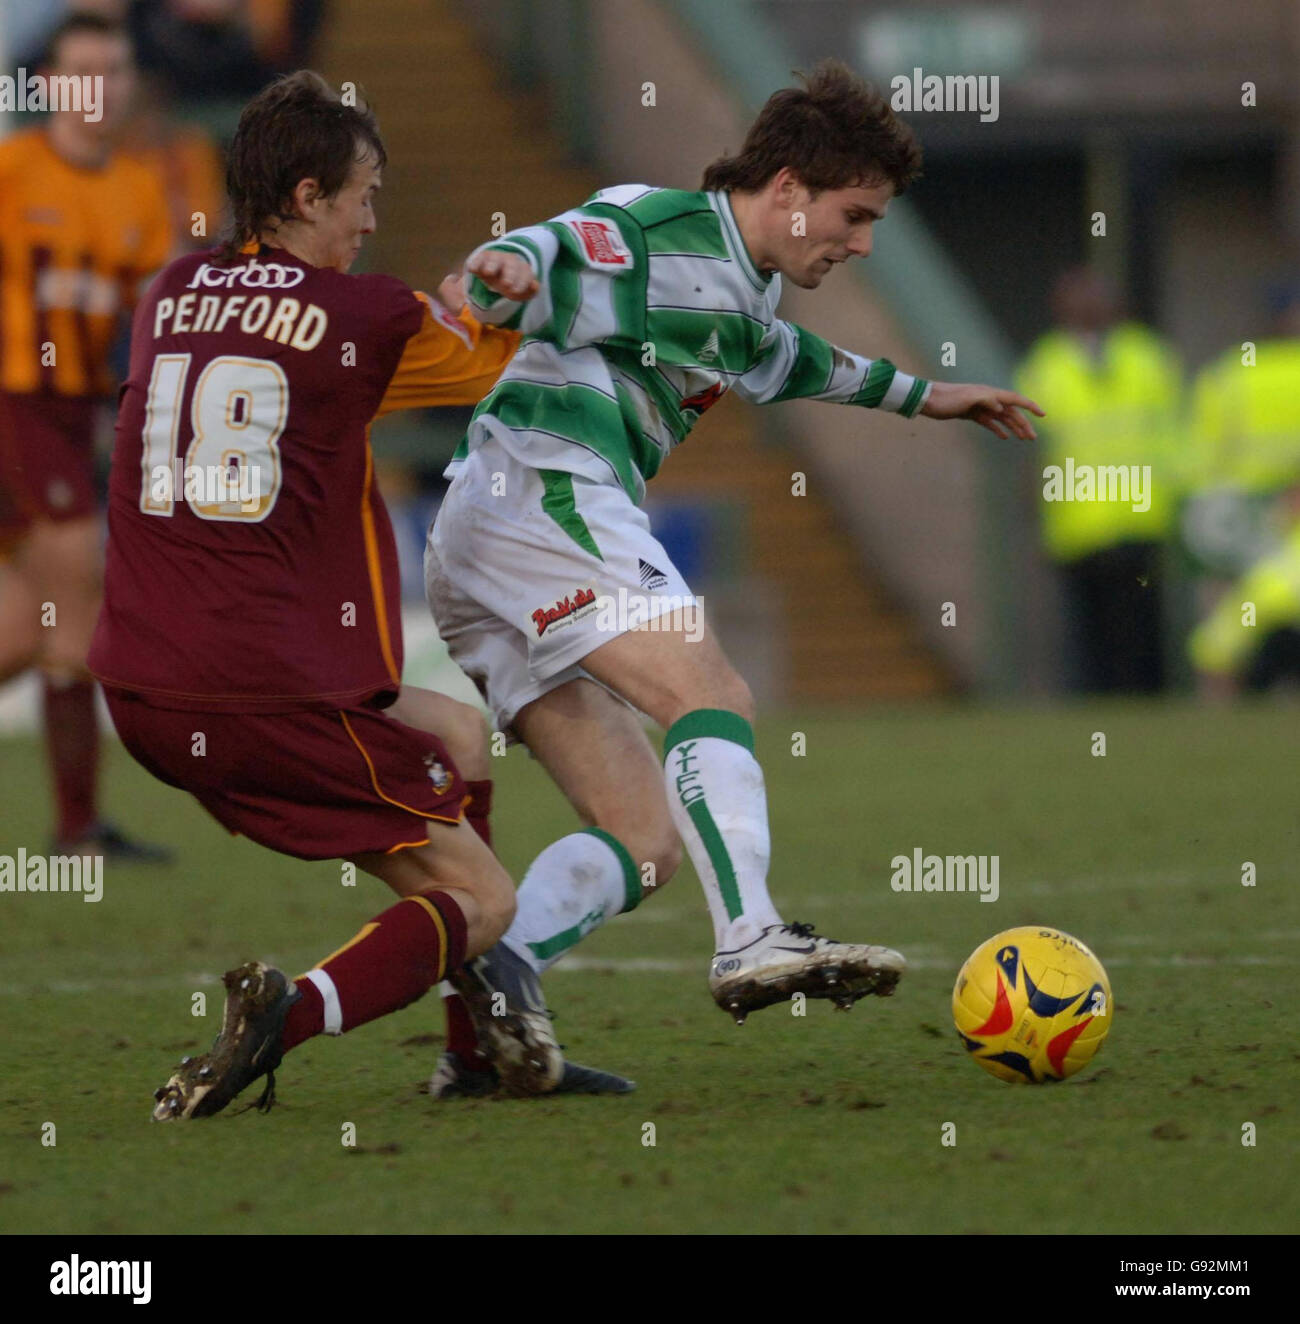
<point>1112,392</point>
<point>1114,402</point>
<point>1253,633</point>
<point>1246,419</point>
<point>1245,451</point>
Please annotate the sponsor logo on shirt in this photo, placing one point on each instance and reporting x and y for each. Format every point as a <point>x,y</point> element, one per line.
<point>252,275</point>
<point>566,610</point>
<point>706,399</point>
<point>84,291</point>
<point>602,243</point>
<point>450,321</point>
<point>710,350</point>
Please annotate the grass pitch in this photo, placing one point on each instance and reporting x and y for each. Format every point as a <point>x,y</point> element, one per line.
<point>825,1123</point>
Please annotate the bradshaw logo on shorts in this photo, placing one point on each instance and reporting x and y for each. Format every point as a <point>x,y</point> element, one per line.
<point>253,276</point>
<point>566,609</point>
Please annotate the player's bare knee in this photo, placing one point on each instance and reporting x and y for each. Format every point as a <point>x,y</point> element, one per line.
<point>496,898</point>
<point>461,727</point>
<point>468,742</point>
<point>736,696</point>
<point>726,690</point>
<point>464,731</point>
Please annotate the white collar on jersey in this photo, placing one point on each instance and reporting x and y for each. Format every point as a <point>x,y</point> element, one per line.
<point>721,203</point>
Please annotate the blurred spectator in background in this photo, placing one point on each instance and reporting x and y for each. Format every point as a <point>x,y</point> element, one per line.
<point>81,229</point>
<point>1243,519</point>
<point>222,48</point>
<point>1111,389</point>
<point>187,161</point>
<point>29,23</point>
<point>1245,444</point>
<point>1251,639</point>
<point>284,31</point>
<point>196,49</point>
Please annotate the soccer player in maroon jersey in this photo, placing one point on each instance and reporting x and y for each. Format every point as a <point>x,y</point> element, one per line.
<point>250,640</point>
<point>81,228</point>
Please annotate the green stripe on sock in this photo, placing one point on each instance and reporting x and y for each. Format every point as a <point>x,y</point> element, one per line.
<point>558,503</point>
<point>561,942</point>
<point>631,878</point>
<point>714,722</point>
<point>718,857</point>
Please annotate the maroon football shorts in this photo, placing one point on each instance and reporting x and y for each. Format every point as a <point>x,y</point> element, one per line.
<point>318,785</point>
<point>47,460</point>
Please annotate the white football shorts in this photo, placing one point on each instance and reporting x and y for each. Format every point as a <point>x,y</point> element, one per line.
<point>528,570</point>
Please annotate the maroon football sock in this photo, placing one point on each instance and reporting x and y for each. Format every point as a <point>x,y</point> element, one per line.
<point>72,746</point>
<point>462,1039</point>
<point>478,809</point>
<point>395,959</point>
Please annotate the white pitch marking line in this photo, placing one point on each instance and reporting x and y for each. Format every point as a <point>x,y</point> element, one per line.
<point>655,965</point>
<point>627,965</point>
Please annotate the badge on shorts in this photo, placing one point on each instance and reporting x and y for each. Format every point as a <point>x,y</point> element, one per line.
<point>602,243</point>
<point>438,775</point>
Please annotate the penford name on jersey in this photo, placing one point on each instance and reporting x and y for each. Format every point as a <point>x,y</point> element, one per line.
<point>284,319</point>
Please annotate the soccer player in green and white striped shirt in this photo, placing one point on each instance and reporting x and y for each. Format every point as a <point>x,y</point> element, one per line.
<point>638,310</point>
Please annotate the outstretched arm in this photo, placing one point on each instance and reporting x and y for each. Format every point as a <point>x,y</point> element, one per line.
<point>994,407</point>
<point>794,363</point>
<point>504,273</point>
<point>501,273</point>
<point>502,280</point>
<point>542,280</point>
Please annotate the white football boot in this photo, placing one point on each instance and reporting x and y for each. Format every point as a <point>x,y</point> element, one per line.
<point>790,958</point>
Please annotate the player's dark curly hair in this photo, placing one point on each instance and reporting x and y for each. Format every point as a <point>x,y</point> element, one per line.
<point>834,132</point>
<point>295,128</point>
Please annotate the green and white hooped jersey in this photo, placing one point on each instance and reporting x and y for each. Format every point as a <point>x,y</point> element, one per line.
<point>649,310</point>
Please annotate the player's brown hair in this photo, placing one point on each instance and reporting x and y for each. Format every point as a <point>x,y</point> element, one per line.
<point>295,128</point>
<point>834,132</point>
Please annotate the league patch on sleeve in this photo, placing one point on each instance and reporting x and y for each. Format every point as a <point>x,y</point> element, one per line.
<point>602,243</point>
<point>447,318</point>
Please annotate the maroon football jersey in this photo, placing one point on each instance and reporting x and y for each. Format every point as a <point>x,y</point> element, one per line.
<point>251,563</point>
